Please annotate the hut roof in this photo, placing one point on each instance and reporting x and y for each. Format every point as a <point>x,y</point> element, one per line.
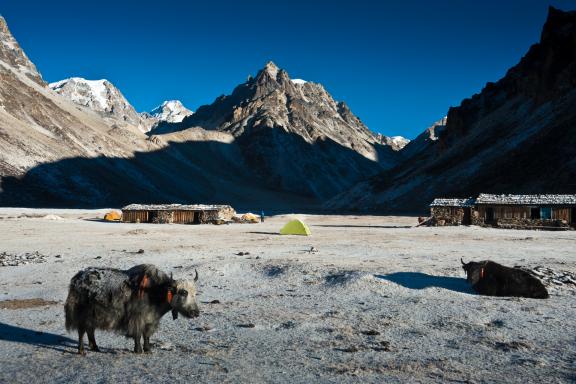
<point>485,199</point>
<point>174,207</point>
<point>469,202</point>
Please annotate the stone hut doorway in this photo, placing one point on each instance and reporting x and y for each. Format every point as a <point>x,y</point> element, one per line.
<point>489,217</point>
<point>573,216</point>
<point>467,219</point>
<point>196,218</point>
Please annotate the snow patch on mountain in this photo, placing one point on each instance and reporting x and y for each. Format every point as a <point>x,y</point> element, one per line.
<point>298,81</point>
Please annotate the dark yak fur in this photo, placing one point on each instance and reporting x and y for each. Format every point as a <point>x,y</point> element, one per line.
<point>492,279</point>
<point>130,302</point>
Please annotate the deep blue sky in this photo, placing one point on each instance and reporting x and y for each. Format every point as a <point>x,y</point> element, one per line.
<point>398,64</point>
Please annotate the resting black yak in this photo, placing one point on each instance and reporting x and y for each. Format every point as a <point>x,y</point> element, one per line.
<point>492,279</point>
<point>131,302</point>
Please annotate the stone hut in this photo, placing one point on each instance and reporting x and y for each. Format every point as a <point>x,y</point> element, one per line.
<point>452,211</point>
<point>525,211</point>
<point>177,213</point>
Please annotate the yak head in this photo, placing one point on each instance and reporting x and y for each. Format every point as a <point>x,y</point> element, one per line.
<point>473,271</point>
<point>184,298</point>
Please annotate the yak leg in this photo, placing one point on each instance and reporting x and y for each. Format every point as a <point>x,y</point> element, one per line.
<point>81,341</point>
<point>92,340</point>
<point>147,347</point>
<point>137,344</point>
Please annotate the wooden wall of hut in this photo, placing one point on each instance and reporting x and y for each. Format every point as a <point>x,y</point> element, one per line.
<point>506,212</point>
<point>561,214</point>
<point>135,216</point>
<point>184,217</point>
<point>523,212</point>
<point>176,216</point>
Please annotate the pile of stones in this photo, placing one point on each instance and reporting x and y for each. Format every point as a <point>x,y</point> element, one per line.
<point>14,260</point>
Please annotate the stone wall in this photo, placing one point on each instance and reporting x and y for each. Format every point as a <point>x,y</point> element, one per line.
<point>226,213</point>
<point>447,215</point>
<point>531,223</point>
<point>162,217</point>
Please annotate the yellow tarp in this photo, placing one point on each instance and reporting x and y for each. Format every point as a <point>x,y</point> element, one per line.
<point>113,216</point>
<point>295,227</point>
<point>250,217</point>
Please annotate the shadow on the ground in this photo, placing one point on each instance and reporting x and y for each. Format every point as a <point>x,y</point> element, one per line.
<point>418,280</point>
<point>361,226</point>
<point>264,233</point>
<point>41,339</point>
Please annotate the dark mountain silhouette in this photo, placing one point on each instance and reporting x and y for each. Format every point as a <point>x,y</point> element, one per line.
<point>517,135</point>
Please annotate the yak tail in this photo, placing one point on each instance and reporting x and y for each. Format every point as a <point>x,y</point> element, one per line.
<point>71,310</point>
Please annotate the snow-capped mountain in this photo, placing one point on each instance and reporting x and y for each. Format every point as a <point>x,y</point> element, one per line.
<point>171,111</point>
<point>103,97</point>
<point>395,142</point>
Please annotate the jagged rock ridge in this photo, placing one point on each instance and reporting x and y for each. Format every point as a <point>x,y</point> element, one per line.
<point>11,54</point>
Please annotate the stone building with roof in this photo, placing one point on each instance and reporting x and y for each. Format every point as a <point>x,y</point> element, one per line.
<point>452,211</point>
<point>507,211</point>
<point>177,213</point>
<point>525,211</point>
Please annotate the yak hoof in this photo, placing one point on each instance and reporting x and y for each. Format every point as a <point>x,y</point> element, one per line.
<point>95,348</point>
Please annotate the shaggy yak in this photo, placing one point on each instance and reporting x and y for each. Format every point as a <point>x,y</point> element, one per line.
<point>492,279</point>
<point>131,302</point>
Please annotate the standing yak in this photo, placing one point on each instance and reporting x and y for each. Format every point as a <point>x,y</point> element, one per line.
<point>131,302</point>
<point>492,279</point>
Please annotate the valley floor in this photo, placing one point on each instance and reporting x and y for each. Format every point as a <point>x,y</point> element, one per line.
<point>379,301</point>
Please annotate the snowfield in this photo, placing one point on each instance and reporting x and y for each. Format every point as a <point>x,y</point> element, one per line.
<point>377,301</point>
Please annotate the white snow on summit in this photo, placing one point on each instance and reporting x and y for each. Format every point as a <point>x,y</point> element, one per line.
<point>172,111</point>
<point>86,92</point>
<point>400,141</point>
<point>103,97</point>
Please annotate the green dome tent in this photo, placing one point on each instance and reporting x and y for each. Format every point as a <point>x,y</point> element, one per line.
<point>295,227</point>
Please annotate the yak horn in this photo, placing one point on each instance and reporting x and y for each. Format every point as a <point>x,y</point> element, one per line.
<point>462,261</point>
<point>196,276</point>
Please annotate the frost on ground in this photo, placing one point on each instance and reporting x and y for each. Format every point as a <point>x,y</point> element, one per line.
<point>376,301</point>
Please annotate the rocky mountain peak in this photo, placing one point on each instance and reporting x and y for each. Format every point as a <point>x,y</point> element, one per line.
<point>558,24</point>
<point>274,118</point>
<point>12,55</point>
<point>271,70</point>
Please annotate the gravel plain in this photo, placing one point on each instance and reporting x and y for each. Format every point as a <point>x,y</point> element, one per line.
<point>377,300</point>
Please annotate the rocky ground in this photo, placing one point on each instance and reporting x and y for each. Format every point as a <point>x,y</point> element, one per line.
<point>375,301</point>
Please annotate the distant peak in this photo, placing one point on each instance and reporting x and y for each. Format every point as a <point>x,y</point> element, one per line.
<point>172,111</point>
<point>171,102</point>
